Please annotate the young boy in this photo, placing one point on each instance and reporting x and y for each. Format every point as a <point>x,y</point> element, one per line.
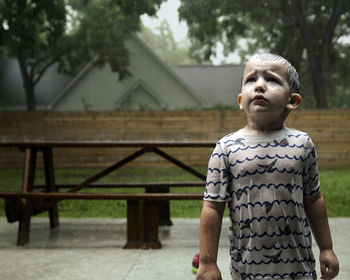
<point>268,176</point>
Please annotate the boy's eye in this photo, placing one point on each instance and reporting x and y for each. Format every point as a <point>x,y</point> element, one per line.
<point>272,80</point>
<point>250,80</point>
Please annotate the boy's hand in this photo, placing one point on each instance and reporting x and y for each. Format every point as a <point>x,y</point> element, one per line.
<point>329,264</point>
<point>208,272</point>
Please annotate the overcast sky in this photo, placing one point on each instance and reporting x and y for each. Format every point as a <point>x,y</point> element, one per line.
<point>168,11</point>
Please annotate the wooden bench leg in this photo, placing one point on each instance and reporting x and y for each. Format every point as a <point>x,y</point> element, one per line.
<point>164,206</point>
<point>142,225</point>
<point>25,204</point>
<point>24,223</point>
<point>50,185</point>
<point>151,225</point>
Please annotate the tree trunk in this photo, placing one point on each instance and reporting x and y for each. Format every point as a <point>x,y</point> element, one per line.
<point>30,97</point>
<point>316,61</point>
<point>28,84</point>
<point>318,84</point>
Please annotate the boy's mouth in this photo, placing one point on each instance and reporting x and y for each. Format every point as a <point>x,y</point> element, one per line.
<point>259,99</point>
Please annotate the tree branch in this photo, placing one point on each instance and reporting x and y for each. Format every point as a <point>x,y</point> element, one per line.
<point>331,25</point>
<point>35,64</point>
<point>19,55</point>
<point>304,30</point>
<point>43,70</point>
<point>341,34</point>
<point>21,60</point>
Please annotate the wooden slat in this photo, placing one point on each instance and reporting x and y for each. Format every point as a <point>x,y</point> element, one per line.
<point>128,185</point>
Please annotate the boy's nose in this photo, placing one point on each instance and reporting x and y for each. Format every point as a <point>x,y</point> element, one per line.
<point>260,85</point>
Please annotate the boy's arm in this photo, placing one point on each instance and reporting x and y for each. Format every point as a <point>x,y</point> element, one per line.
<point>315,209</point>
<point>209,235</point>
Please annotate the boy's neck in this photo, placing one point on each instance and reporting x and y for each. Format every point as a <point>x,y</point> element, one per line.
<point>256,129</point>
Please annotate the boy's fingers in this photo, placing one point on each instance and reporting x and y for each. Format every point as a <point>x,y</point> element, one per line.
<point>330,273</point>
<point>329,264</point>
<point>333,271</point>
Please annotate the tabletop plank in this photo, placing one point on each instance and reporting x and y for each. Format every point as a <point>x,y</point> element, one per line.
<point>102,144</point>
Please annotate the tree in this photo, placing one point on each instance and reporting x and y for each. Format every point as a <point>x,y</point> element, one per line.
<point>40,33</point>
<point>305,32</point>
<point>165,46</point>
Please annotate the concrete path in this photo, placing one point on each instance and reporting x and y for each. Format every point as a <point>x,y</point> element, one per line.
<point>91,249</point>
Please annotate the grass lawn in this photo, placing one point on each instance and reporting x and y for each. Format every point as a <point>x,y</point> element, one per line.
<point>335,184</point>
<point>335,187</point>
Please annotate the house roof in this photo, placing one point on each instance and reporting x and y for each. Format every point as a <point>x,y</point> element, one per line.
<point>69,84</point>
<point>162,64</point>
<point>217,84</point>
<point>170,70</point>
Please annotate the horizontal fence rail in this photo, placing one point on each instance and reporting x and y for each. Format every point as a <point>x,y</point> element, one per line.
<point>128,185</point>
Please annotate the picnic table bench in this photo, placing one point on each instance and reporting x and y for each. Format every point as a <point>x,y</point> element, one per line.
<point>143,209</point>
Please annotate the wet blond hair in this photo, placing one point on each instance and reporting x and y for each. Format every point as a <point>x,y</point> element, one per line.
<point>293,76</point>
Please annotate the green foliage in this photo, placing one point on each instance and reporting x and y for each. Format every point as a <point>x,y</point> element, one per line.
<point>143,107</point>
<point>308,33</point>
<point>165,46</point>
<point>86,105</point>
<point>40,33</point>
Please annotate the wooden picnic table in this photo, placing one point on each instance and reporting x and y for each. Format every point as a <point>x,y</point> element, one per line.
<point>142,208</point>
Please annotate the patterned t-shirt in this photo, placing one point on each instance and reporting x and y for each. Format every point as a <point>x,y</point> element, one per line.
<point>264,180</point>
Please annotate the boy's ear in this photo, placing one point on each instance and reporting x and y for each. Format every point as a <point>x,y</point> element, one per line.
<point>239,100</point>
<point>294,101</point>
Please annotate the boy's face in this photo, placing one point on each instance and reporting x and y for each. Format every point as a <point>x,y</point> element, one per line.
<point>265,92</point>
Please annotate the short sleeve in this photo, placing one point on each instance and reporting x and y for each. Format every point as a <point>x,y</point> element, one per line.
<point>311,182</point>
<point>217,183</point>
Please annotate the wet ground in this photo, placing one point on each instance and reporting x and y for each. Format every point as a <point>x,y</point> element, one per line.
<point>92,249</point>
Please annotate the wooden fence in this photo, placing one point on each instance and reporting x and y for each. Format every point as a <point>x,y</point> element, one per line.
<point>329,129</point>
